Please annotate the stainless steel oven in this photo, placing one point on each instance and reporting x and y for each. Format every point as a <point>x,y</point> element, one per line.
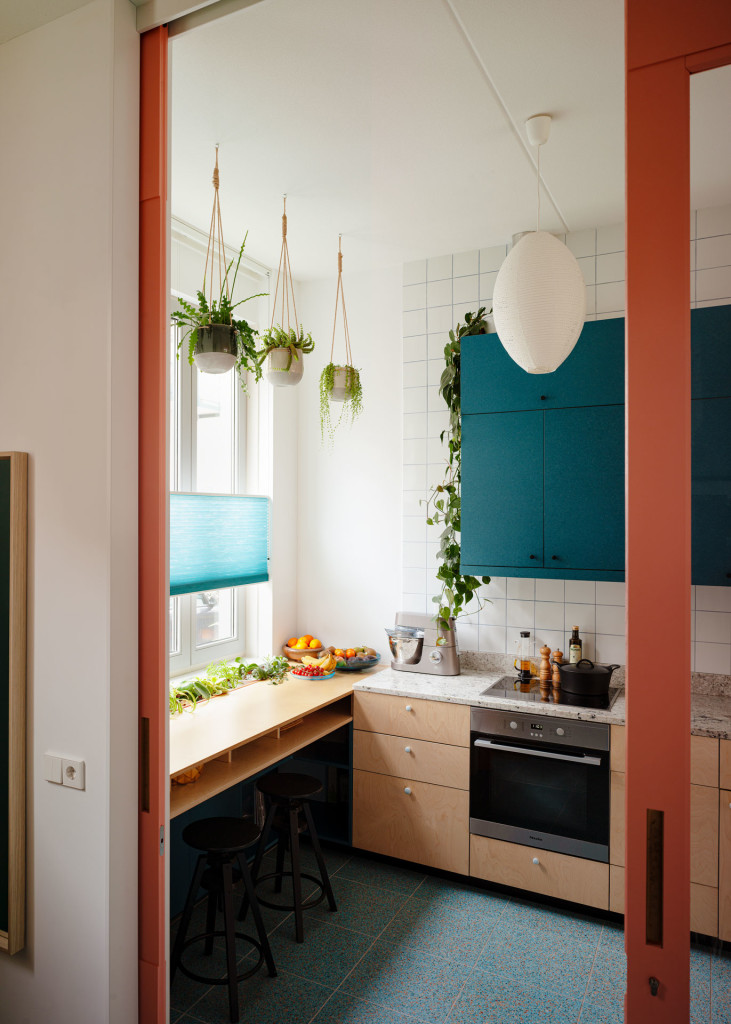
<point>541,781</point>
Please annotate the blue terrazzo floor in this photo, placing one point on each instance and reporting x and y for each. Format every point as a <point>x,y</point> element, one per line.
<point>410,948</point>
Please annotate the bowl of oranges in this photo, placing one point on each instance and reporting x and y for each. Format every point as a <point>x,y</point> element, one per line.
<point>298,646</point>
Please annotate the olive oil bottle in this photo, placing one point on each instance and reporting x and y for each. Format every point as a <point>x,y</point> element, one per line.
<point>575,654</point>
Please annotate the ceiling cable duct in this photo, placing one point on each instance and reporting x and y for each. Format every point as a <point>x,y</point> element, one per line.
<point>503,106</point>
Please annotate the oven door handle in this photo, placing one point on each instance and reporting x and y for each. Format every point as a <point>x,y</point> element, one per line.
<point>538,753</point>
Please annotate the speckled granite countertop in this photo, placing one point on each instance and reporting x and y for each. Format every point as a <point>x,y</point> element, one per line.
<point>710,714</point>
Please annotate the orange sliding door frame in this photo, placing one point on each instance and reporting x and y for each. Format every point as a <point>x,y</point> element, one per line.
<point>153,586</point>
<point>665,43</point>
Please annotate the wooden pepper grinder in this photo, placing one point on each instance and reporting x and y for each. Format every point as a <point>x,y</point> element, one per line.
<point>544,673</point>
<point>557,660</point>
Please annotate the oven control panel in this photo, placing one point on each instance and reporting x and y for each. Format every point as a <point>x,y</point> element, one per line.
<point>539,728</point>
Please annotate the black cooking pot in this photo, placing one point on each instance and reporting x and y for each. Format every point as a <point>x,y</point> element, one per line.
<point>586,678</point>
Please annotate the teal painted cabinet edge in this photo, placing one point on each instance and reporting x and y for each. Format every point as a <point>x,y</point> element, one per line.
<point>711,493</point>
<point>710,334</point>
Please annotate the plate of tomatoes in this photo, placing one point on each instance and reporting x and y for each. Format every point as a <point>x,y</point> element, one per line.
<point>312,672</point>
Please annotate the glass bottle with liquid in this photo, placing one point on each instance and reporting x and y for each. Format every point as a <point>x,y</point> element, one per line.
<point>575,646</point>
<point>525,654</point>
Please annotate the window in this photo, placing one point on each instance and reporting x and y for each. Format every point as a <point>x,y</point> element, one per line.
<point>207,442</point>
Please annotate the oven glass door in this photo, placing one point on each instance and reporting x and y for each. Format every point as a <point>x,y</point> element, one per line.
<point>541,795</point>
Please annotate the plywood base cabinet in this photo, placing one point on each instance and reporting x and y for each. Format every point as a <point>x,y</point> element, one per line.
<point>704,902</point>
<point>724,866</point>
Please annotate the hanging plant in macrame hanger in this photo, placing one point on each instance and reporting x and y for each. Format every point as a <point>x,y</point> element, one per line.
<point>339,382</point>
<point>285,343</point>
<point>217,341</point>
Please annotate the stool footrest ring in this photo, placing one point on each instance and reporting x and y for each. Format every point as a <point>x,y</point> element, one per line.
<point>307,904</point>
<point>206,979</point>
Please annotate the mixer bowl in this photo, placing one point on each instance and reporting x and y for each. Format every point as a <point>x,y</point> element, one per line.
<point>406,644</point>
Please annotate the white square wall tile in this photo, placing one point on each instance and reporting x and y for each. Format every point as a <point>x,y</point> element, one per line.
<point>439,293</point>
<point>610,618</point>
<point>432,561</point>
<point>610,267</point>
<point>497,587</point>
<point>415,452</point>
<point>466,290</point>
<point>414,581</point>
<point>414,555</point>
<point>493,613</point>
<point>434,370</point>
<point>609,592</point>
<point>491,639</point>
<point>580,591</point>
<point>414,348</point>
<point>582,243</point>
<point>415,272</point>
<point>550,590</point>
<point>549,615</point>
<point>713,627</point>
<point>434,401</point>
<point>713,599</point>
<point>520,589</point>
<point>414,297</point>
<point>414,322</point>
<point>438,268</point>
<point>715,220</point>
<point>414,478</point>
<point>415,425</point>
<point>439,318</point>
<point>436,450</point>
<point>713,284</point>
<point>464,263</point>
<point>414,603</point>
<point>413,531</point>
<point>415,375</point>
<point>581,615</point>
<point>610,298</point>
<point>610,650</point>
<point>435,345</point>
<point>590,301</point>
<point>487,284</point>
<point>610,238</point>
<point>468,636</point>
<point>492,259</point>
<point>437,422</point>
<point>588,269</point>
<point>713,658</point>
<point>547,638</point>
<point>521,614</point>
<point>588,649</point>
<point>411,503</point>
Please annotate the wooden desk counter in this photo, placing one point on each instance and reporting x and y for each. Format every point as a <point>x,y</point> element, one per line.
<point>248,730</point>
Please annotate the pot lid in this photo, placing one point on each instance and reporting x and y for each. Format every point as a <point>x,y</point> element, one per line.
<point>587,667</point>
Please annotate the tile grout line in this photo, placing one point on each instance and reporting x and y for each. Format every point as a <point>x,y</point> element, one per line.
<point>591,971</point>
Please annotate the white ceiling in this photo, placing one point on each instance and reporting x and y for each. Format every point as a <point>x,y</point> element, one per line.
<point>20,16</point>
<point>400,124</point>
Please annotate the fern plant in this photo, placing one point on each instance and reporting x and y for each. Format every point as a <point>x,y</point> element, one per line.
<point>444,504</point>
<point>278,337</point>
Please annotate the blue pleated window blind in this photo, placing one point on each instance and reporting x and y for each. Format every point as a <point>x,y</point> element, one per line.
<point>217,540</point>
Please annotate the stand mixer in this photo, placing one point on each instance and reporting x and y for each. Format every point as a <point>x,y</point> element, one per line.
<point>417,645</point>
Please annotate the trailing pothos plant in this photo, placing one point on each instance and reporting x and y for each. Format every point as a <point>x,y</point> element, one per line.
<point>191,318</point>
<point>444,504</point>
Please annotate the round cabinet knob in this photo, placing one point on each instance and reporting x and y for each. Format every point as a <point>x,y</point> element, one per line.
<point>559,731</point>
<point>536,861</point>
<point>407,750</point>
<point>409,708</point>
<point>407,790</point>
<point>513,725</point>
<point>534,556</point>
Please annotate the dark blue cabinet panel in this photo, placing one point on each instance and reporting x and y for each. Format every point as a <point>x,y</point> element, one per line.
<point>592,375</point>
<point>711,491</point>
<point>710,336</point>
<point>584,488</point>
<point>502,489</point>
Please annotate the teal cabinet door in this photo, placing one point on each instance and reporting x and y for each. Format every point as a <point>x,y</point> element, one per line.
<point>502,490</point>
<point>710,338</point>
<point>711,491</point>
<point>584,488</point>
<point>592,375</point>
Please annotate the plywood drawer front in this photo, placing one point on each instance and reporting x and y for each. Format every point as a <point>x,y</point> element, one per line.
<point>418,719</point>
<point>617,750</point>
<point>555,874</point>
<point>616,819</point>
<point>724,867</point>
<point>703,902</point>
<point>414,759</point>
<point>725,757</point>
<point>704,761</point>
<point>429,825</point>
<point>704,835</point>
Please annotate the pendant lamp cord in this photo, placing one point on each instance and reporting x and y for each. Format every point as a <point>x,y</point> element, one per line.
<point>284,273</point>
<point>340,298</point>
<point>538,191</point>
<point>215,249</point>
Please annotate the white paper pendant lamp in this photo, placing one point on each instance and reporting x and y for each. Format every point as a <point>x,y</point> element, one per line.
<point>539,299</point>
<point>539,302</point>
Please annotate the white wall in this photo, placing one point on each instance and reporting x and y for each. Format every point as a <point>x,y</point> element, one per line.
<point>68,396</point>
<point>347,515</point>
<point>436,294</point>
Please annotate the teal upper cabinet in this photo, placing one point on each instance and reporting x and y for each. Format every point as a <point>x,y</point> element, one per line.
<point>592,375</point>
<point>711,497</point>
<point>710,331</point>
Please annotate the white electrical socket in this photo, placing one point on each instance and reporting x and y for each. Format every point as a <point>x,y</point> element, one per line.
<point>74,773</point>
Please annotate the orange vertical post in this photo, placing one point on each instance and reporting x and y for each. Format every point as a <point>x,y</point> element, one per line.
<point>153,595</point>
<point>664,44</point>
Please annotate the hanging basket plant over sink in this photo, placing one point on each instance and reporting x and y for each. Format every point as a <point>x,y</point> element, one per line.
<point>284,351</point>
<point>340,382</point>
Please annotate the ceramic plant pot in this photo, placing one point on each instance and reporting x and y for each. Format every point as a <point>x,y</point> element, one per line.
<point>283,369</point>
<point>341,378</point>
<point>215,349</point>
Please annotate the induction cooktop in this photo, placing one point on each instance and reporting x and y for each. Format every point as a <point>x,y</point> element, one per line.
<point>515,689</point>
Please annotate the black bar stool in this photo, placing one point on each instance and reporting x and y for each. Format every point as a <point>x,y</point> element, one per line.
<point>289,814</point>
<point>223,841</point>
